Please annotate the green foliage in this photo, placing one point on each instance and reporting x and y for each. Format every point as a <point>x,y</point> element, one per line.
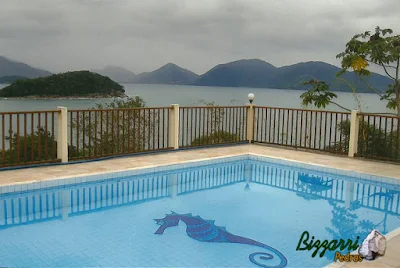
<point>79,83</point>
<point>389,97</point>
<point>214,127</point>
<point>120,128</point>
<point>378,143</point>
<point>26,149</point>
<point>381,49</point>
<point>216,137</point>
<point>319,94</point>
<point>376,48</point>
<point>95,133</point>
<point>129,102</point>
<point>372,141</point>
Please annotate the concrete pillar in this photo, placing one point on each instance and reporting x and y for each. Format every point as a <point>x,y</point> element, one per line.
<point>353,139</point>
<point>250,122</point>
<point>62,135</point>
<point>173,128</point>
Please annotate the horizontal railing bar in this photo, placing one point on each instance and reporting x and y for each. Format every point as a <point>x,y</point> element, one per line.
<point>119,109</point>
<point>380,115</point>
<point>297,109</point>
<point>29,112</point>
<point>209,107</point>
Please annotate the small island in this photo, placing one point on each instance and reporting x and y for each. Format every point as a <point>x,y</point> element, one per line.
<point>77,84</point>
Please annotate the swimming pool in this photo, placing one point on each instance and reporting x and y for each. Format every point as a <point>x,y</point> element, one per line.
<point>224,212</point>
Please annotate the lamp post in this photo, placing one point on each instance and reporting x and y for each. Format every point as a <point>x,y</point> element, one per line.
<point>251,97</point>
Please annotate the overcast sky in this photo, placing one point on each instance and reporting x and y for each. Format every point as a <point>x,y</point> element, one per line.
<point>142,35</point>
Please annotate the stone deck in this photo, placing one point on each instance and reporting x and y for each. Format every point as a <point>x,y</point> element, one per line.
<point>391,258</point>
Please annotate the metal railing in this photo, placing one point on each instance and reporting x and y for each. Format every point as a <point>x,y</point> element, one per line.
<point>299,128</point>
<point>379,137</point>
<point>28,137</point>
<point>209,125</point>
<point>98,133</point>
<point>64,135</point>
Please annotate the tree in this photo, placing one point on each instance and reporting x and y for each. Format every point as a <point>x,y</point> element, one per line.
<point>215,134</point>
<point>34,147</point>
<point>363,50</point>
<point>77,83</point>
<point>118,127</point>
<point>373,141</point>
<point>216,137</point>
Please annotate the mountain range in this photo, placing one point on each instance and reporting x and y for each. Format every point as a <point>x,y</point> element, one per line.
<point>116,73</point>
<point>9,67</point>
<point>167,74</point>
<point>242,73</point>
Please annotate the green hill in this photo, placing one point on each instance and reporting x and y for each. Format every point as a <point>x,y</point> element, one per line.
<point>293,76</point>
<point>70,84</point>
<point>242,73</point>
<point>261,74</point>
<point>168,74</point>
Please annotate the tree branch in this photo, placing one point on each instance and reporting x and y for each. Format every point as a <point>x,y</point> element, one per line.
<point>384,68</point>
<point>370,87</point>
<point>354,92</point>
<point>340,106</point>
<point>388,66</point>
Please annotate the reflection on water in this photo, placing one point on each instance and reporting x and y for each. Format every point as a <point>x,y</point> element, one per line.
<point>61,203</point>
<point>312,185</point>
<point>344,196</point>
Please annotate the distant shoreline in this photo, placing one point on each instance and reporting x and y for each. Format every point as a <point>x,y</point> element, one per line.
<point>91,97</point>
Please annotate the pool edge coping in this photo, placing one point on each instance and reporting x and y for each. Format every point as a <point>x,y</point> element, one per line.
<point>173,165</point>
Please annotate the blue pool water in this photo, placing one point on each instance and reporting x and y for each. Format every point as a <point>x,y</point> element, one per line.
<point>109,220</point>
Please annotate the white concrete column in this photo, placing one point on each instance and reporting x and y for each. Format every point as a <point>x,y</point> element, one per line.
<point>250,122</point>
<point>173,128</point>
<point>62,135</point>
<point>353,139</point>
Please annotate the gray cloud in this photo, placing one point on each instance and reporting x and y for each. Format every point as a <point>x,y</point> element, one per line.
<point>144,34</point>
